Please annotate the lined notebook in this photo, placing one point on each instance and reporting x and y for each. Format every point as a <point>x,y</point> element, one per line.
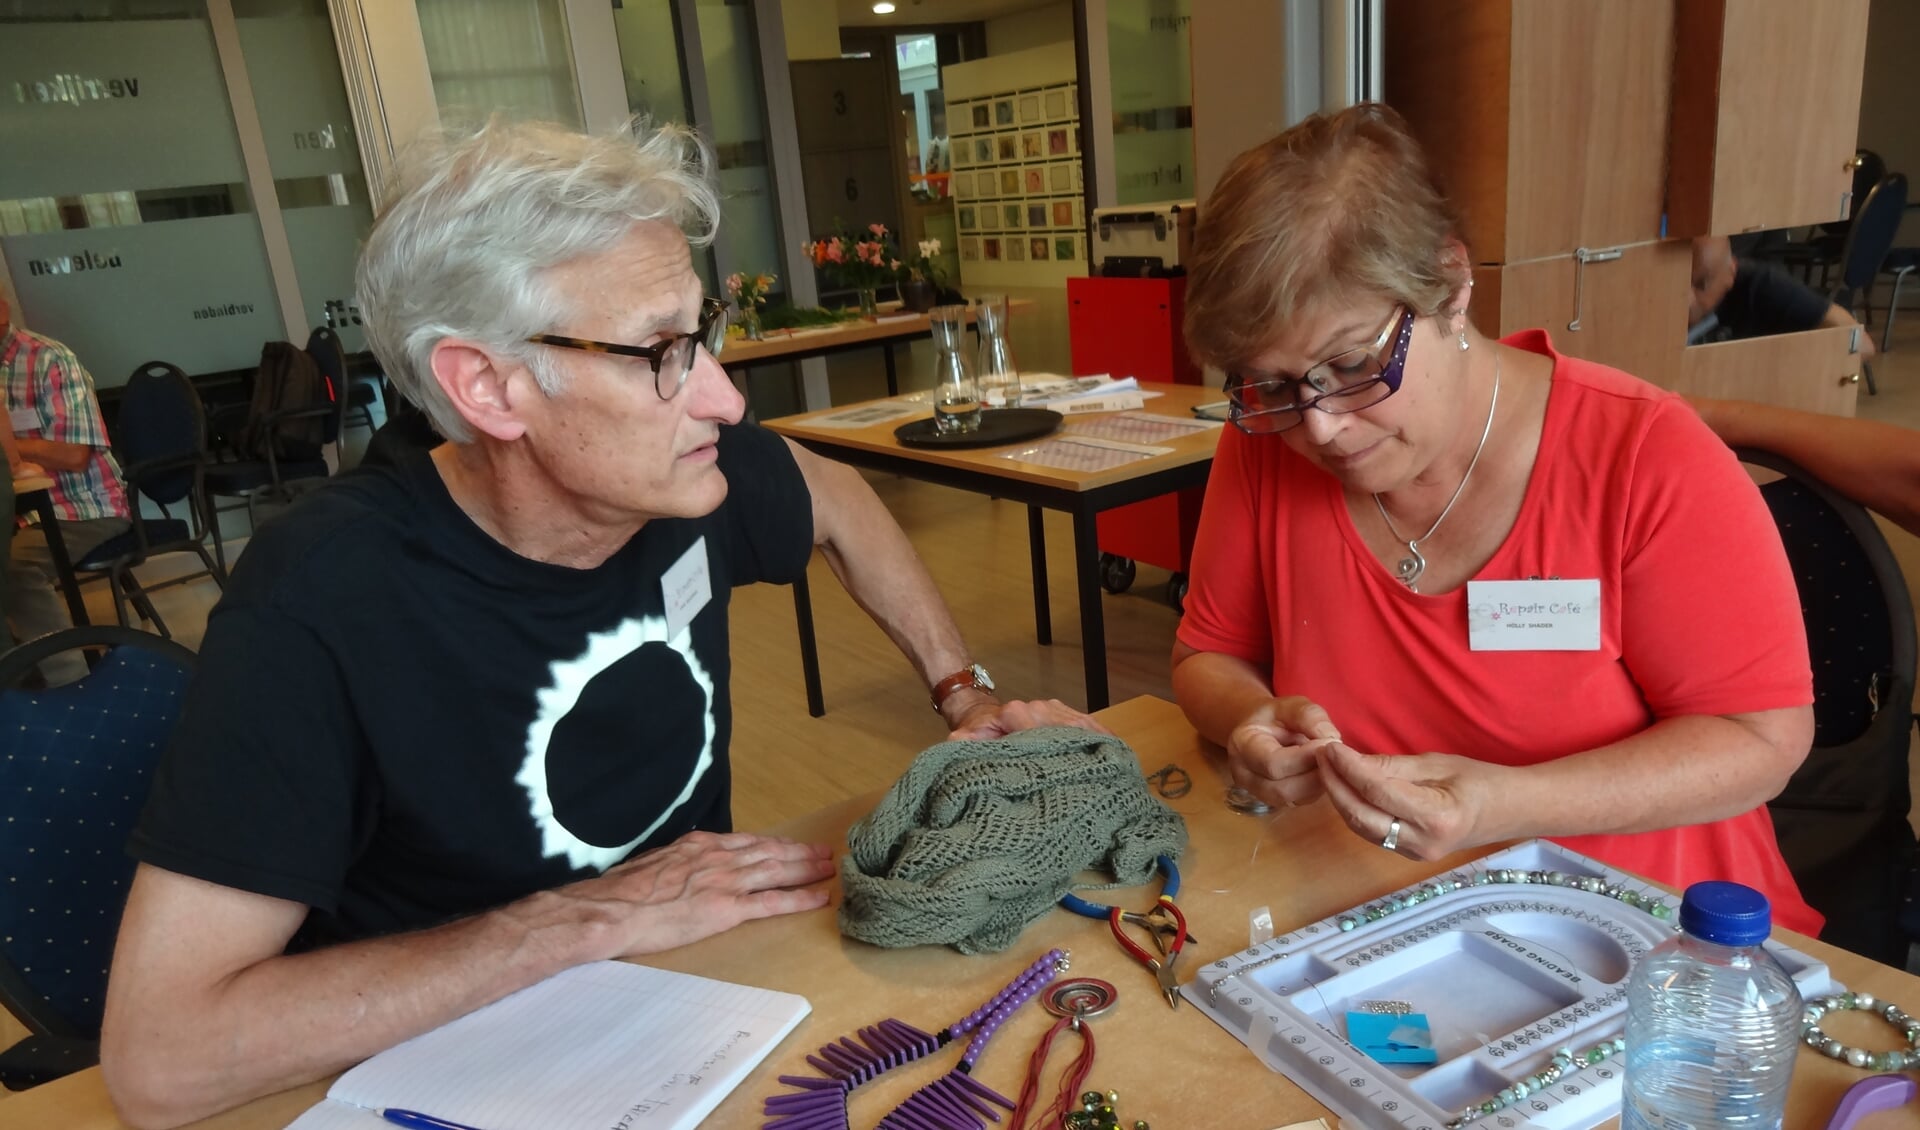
<point>603,1045</point>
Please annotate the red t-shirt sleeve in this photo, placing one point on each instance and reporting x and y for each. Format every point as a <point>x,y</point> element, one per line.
<point>1227,605</point>
<point>1709,614</point>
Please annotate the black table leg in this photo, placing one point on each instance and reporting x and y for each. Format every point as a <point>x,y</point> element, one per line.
<point>62,564</point>
<point>809,651</point>
<point>1037,544</point>
<point>1093,625</point>
<point>893,375</point>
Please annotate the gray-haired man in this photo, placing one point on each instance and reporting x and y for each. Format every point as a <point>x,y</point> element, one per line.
<point>462,722</point>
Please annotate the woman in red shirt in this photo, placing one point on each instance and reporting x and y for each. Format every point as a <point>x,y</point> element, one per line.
<point>1469,590</point>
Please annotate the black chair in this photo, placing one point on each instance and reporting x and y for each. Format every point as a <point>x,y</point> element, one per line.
<point>78,761</point>
<point>353,392</point>
<point>258,465</point>
<point>1842,819</point>
<point>160,436</point>
<point>1869,238</point>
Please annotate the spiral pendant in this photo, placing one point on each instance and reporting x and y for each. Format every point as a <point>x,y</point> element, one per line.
<point>1410,567</point>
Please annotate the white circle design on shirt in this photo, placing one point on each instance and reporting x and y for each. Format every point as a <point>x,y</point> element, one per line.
<point>569,678</point>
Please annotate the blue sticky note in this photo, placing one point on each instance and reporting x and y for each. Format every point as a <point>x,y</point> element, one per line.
<point>1392,1038</point>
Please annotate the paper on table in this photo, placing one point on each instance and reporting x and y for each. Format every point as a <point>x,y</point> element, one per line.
<point>1140,427</point>
<point>1085,453</point>
<point>600,1045</point>
<point>1037,390</point>
<point>867,415</point>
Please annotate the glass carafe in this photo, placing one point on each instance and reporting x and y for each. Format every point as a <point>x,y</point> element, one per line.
<point>998,376</point>
<point>956,398</point>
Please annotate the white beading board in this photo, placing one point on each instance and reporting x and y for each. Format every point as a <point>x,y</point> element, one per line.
<point>1506,975</point>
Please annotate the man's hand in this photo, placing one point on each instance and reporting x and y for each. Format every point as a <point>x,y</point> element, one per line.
<point>993,719</point>
<point>702,884</point>
<point>1437,797</point>
<point>1272,753</point>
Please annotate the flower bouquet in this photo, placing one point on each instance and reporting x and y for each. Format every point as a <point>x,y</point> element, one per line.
<point>749,294</point>
<point>862,262</point>
<point>926,278</point>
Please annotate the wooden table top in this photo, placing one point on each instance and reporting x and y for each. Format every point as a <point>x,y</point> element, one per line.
<point>893,323</point>
<point>1172,1068</point>
<point>1175,400</point>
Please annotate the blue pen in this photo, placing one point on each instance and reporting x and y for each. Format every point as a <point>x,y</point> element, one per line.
<point>418,1121</point>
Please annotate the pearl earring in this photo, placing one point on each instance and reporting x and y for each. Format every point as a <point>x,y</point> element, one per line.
<point>1464,345</point>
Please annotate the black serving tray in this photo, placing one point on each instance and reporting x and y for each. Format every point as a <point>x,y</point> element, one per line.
<point>997,426</point>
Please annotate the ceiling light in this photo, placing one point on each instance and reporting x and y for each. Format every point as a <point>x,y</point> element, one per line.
<point>883,9</point>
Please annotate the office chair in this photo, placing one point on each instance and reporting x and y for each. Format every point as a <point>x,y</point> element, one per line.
<point>1842,819</point>
<point>160,435</point>
<point>78,759</point>
<point>1869,238</point>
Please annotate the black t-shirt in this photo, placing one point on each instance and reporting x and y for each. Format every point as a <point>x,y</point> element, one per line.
<point>398,721</point>
<point>1765,300</point>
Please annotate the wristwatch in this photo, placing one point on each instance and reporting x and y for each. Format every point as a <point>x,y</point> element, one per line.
<point>974,676</point>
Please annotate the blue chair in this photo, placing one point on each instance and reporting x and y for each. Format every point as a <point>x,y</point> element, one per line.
<point>1869,239</point>
<point>78,760</point>
<point>160,436</point>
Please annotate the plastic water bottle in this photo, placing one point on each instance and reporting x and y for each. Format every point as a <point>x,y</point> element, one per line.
<point>1713,1021</point>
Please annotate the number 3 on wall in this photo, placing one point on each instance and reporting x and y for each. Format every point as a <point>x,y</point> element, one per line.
<point>853,189</point>
<point>840,102</point>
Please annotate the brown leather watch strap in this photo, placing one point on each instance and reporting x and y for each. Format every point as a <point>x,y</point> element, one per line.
<point>959,680</point>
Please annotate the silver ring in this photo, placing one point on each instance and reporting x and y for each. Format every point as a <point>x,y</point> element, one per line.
<point>1392,842</point>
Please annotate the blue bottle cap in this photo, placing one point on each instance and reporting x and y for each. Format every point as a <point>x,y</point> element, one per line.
<point>1727,914</point>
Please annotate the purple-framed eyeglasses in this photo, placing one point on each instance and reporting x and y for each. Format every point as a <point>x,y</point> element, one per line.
<point>1354,380</point>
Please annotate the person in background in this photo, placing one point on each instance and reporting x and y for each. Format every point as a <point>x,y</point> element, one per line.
<point>461,720</point>
<point>1734,298</point>
<point>17,468</point>
<point>54,416</point>
<point>1465,590</point>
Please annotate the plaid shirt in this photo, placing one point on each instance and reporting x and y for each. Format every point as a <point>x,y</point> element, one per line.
<point>44,379</point>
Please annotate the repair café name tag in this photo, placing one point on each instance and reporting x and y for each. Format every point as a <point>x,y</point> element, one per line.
<point>1533,615</point>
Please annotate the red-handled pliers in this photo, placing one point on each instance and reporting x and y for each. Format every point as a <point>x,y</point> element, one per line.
<point>1165,922</point>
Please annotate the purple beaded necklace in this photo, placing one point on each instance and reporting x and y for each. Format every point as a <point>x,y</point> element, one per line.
<point>955,1101</point>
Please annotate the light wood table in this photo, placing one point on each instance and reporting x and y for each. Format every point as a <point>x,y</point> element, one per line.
<point>1173,1068</point>
<point>896,325</point>
<point>34,495</point>
<point>1081,494</point>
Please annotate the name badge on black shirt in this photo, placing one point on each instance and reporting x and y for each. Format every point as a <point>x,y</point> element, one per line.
<point>686,587</point>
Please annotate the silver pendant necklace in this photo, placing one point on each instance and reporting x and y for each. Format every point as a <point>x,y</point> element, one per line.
<point>1414,564</point>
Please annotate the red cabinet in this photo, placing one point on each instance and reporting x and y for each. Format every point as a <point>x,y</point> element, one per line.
<point>1131,328</point>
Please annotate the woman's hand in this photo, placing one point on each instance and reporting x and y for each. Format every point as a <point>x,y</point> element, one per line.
<point>1441,801</point>
<point>1271,753</point>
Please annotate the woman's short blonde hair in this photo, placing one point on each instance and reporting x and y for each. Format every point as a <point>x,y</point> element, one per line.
<point>1339,206</point>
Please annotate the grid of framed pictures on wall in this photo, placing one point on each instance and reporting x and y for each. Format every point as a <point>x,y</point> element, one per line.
<point>1016,176</point>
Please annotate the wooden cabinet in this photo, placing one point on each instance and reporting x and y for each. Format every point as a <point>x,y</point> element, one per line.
<point>1546,123</point>
<point>1631,310</point>
<point>1563,129</point>
<point>1766,111</point>
<point>1815,371</point>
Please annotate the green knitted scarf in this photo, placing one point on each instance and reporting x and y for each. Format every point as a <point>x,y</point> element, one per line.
<point>980,838</point>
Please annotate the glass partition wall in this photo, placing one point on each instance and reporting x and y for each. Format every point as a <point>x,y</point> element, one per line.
<point>136,230</point>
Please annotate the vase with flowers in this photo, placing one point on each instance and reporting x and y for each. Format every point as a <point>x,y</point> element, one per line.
<point>925,278</point>
<point>749,294</point>
<point>863,262</point>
